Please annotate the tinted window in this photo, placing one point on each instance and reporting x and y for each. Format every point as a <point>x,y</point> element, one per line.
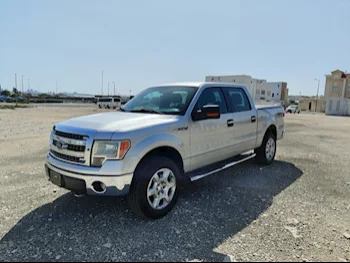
<point>237,99</point>
<point>212,96</point>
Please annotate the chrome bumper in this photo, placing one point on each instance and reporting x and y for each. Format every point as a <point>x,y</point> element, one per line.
<point>116,185</point>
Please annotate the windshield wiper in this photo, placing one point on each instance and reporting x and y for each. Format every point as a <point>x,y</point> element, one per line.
<point>147,111</point>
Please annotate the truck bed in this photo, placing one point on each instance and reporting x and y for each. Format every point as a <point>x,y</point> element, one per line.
<point>265,107</point>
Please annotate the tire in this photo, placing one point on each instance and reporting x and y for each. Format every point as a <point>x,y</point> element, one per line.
<point>100,106</point>
<point>108,107</point>
<point>262,156</point>
<point>138,199</point>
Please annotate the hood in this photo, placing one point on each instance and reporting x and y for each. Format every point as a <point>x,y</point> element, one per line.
<point>118,121</point>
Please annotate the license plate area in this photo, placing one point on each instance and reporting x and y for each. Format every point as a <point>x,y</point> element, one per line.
<point>56,178</point>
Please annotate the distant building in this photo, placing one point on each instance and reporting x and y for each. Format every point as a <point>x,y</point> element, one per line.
<point>279,91</point>
<point>337,93</point>
<point>258,88</point>
<point>310,104</point>
<point>294,98</point>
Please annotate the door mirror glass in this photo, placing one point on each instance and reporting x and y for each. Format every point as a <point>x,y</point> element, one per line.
<point>206,112</point>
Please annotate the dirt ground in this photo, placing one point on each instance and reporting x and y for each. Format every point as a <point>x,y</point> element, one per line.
<point>297,209</point>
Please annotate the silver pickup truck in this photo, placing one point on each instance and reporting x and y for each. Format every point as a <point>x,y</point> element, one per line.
<point>164,137</point>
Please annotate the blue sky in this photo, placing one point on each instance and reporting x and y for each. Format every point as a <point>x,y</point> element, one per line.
<point>143,43</point>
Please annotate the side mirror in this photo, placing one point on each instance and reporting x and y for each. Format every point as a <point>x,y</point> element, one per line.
<point>207,112</point>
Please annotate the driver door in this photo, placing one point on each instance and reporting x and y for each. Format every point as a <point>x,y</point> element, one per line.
<point>212,139</point>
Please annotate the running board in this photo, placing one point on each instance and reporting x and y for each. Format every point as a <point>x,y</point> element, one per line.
<point>200,176</point>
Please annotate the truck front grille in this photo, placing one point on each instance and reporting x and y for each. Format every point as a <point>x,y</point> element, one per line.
<point>69,135</point>
<point>69,147</point>
<point>67,157</point>
<point>74,148</point>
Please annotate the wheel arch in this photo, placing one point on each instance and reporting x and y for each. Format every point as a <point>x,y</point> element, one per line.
<point>273,129</point>
<point>165,151</point>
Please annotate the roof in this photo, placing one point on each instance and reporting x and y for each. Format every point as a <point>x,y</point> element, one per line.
<point>343,74</point>
<point>337,70</point>
<point>200,84</point>
<point>188,84</point>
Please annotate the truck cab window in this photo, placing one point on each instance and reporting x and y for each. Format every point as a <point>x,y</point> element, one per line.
<point>237,99</point>
<point>212,96</point>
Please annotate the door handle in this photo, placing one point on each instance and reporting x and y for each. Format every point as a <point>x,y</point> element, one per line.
<point>253,119</point>
<point>230,123</point>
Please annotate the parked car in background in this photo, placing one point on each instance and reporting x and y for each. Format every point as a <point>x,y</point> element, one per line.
<point>109,103</point>
<point>293,109</point>
<point>166,136</point>
<point>9,99</point>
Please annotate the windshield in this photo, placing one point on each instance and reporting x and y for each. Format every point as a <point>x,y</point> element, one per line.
<point>162,100</point>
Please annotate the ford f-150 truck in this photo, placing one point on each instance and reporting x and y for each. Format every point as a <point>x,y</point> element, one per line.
<point>164,137</point>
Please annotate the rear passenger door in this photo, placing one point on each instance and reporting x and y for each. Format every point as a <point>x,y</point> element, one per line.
<point>211,139</point>
<point>244,119</point>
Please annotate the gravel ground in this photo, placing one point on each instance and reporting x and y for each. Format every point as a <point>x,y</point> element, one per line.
<point>297,209</point>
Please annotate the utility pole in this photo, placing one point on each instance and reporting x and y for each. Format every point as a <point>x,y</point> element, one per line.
<point>16,91</point>
<point>22,85</point>
<point>318,87</point>
<point>28,88</point>
<point>56,87</point>
<point>102,85</point>
<point>114,88</point>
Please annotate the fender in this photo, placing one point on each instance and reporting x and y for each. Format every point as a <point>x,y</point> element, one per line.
<point>263,127</point>
<point>271,120</point>
<point>160,140</point>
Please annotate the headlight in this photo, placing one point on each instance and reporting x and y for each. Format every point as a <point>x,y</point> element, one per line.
<point>108,150</point>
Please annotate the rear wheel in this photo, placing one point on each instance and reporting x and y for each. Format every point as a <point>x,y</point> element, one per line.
<point>266,153</point>
<point>154,190</point>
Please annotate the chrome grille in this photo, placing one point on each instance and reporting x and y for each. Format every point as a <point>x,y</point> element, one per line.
<point>74,148</point>
<point>67,157</point>
<point>69,135</point>
<point>69,147</point>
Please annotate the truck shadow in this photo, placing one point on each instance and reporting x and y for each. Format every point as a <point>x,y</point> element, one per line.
<point>98,229</point>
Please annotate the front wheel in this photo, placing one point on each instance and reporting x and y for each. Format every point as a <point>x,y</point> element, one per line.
<point>154,190</point>
<point>266,153</point>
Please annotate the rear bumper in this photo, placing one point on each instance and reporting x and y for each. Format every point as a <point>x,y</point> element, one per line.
<point>115,185</point>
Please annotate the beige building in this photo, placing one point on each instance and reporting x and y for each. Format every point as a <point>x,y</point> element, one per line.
<point>337,93</point>
<point>279,91</point>
<point>261,90</point>
<point>309,104</point>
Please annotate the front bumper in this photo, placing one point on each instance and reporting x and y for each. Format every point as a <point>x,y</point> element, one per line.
<point>83,182</point>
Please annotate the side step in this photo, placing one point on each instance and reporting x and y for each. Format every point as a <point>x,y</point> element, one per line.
<point>200,176</point>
